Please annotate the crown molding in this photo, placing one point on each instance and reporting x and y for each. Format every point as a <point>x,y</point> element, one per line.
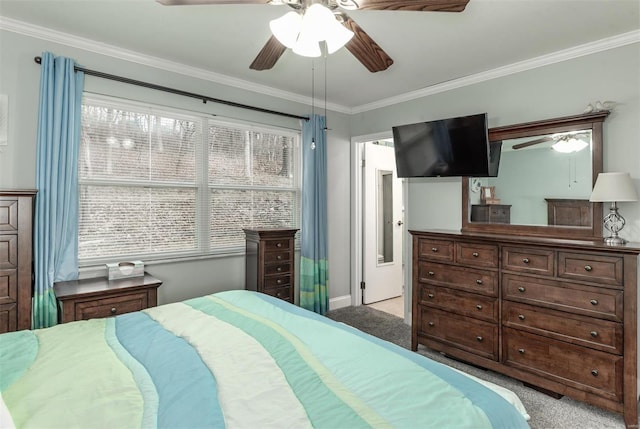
<point>100,48</point>
<point>532,63</point>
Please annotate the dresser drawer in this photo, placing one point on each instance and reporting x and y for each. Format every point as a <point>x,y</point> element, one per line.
<point>591,370</point>
<point>274,257</point>
<point>592,268</point>
<point>475,336</point>
<point>276,245</point>
<point>112,306</point>
<point>527,260</point>
<point>277,281</point>
<point>8,286</point>
<point>479,255</point>
<point>281,292</point>
<point>585,331</point>
<point>565,296</point>
<point>468,279</point>
<point>283,268</point>
<point>437,250</point>
<point>469,304</point>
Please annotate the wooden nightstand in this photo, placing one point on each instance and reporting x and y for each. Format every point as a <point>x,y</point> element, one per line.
<point>98,297</point>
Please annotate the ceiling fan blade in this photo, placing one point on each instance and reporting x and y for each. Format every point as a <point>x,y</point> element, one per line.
<point>201,2</point>
<point>531,143</point>
<point>365,49</point>
<point>414,5</point>
<point>268,55</point>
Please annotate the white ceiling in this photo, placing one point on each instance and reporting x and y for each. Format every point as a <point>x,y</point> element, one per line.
<point>429,49</point>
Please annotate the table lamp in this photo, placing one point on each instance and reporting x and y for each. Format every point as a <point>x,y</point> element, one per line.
<point>613,188</point>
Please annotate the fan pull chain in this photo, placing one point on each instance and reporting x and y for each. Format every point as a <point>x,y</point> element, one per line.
<point>313,129</point>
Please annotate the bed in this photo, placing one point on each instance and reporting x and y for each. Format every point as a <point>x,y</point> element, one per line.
<point>234,359</point>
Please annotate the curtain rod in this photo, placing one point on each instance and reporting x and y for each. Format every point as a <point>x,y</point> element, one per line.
<point>204,98</point>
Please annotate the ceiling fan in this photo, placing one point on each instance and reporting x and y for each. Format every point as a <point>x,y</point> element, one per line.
<point>572,141</point>
<point>368,52</point>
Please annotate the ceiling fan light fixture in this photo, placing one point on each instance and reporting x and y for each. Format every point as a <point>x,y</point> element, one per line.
<point>569,145</point>
<point>338,36</point>
<point>307,45</point>
<point>287,28</point>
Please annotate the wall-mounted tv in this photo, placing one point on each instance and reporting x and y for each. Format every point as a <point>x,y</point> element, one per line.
<point>447,147</point>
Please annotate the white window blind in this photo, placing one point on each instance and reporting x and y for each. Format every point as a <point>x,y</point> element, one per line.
<point>152,184</point>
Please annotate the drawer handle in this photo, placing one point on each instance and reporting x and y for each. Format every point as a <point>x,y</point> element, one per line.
<point>594,334</point>
<point>588,268</point>
<point>114,310</point>
<point>594,302</point>
<point>431,273</point>
<point>475,254</point>
<point>279,257</point>
<point>594,372</point>
<point>279,244</point>
<point>479,338</point>
<point>479,281</point>
<point>279,281</point>
<point>431,295</point>
<point>521,289</point>
<point>521,351</point>
<point>434,249</point>
<point>279,269</point>
<point>521,316</point>
<point>432,324</point>
<point>525,260</point>
<point>479,307</point>
<point>279,294</point>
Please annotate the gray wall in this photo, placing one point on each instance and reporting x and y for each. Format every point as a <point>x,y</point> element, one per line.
<point>556,90</point>
<point>20,77</point>
<point>560,89</point>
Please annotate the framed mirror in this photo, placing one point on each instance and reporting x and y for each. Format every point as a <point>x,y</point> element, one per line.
<point>546,172</point>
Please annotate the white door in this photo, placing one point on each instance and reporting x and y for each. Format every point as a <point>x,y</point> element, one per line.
<point>383,225</point>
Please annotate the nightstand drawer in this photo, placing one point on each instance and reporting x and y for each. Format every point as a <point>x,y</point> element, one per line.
<point>271,257</point>
<point>277,281</point>
<point>283,268</point>
<point>108,307</point>
<point>99,297</point>
<point>283,293</point>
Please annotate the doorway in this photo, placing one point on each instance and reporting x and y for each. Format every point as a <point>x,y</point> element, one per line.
<point>379,227</point>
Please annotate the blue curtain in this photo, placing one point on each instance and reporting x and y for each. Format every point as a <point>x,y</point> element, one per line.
<point>314,278</point>
<point>56,214</point>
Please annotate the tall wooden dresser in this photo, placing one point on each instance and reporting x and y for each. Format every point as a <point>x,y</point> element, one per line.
<point>557,314</point>
<point>270,262</point>
<point>16,259</point>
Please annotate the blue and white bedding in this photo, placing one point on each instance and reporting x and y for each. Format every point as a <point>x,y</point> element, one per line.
<point>235,359</point>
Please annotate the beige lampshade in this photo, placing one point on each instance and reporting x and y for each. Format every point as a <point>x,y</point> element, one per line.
<point>613,187</point>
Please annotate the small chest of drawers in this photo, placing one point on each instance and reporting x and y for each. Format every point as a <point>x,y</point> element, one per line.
<point>270,262</point>
<point>491,213</point>
<point>98,297</point>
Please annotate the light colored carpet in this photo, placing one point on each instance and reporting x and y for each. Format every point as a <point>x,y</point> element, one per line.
<point>545,411</point>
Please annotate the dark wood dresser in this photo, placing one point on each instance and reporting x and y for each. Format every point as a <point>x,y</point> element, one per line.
<point>560,315</point>
<point>99,297</point>
<point>16,259</point>
<point>491,213</point>
<point>270,262</point>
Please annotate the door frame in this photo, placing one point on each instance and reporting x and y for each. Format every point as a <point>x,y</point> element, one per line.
<point>357,150</point>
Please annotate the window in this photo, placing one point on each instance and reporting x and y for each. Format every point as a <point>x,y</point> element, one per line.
<point>156,183</point>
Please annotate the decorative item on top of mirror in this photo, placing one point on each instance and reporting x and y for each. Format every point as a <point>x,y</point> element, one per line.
<point>614,188</point>
<point>553,159</point>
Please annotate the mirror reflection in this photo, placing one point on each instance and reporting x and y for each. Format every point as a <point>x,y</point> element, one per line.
<point>542,180</point>
<point>385,216</point>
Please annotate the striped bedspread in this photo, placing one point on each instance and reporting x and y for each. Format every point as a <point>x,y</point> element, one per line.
<point>234,359</point>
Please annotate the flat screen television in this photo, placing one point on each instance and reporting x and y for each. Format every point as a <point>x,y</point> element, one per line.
<point>446,147</point>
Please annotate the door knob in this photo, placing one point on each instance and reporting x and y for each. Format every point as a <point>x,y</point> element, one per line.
<point>400,223</point>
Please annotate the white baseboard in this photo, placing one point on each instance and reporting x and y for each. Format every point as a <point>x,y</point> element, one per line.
<point>339,302</point>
